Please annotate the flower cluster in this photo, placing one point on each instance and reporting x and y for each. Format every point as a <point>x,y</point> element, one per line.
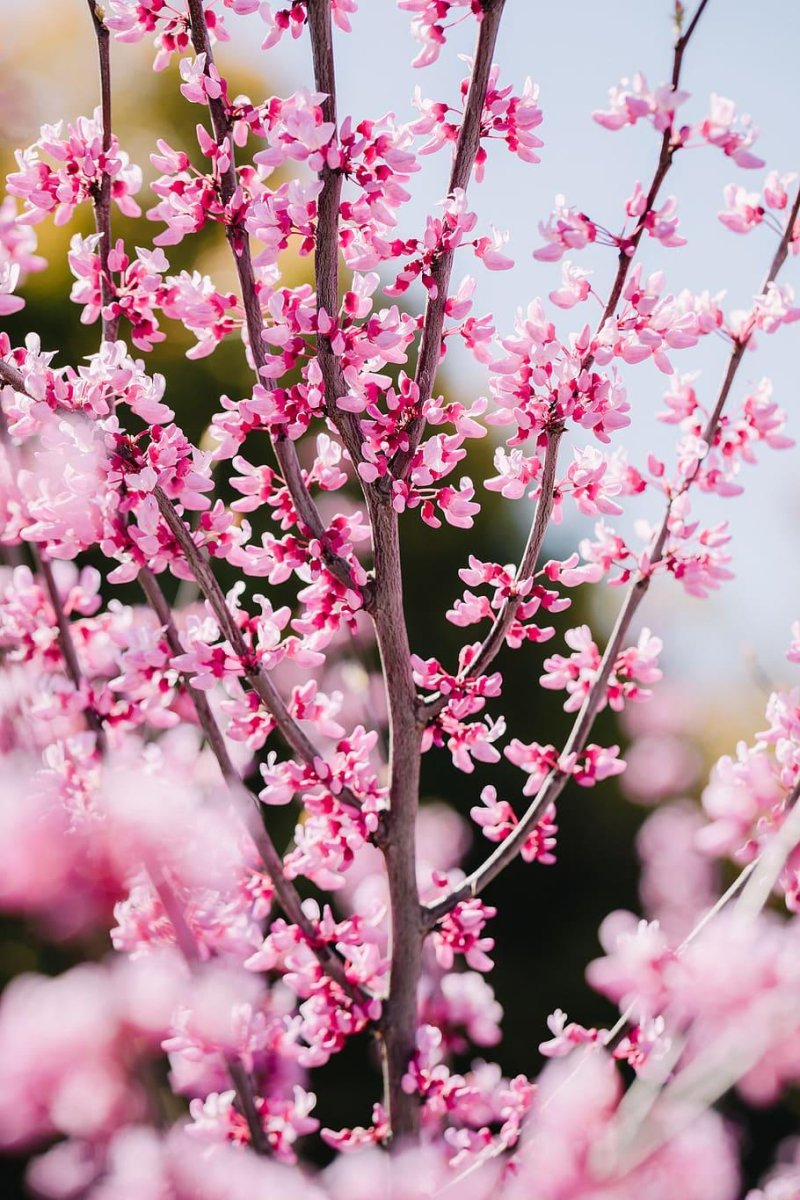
<point>81,162</point>
<point>506,117</point>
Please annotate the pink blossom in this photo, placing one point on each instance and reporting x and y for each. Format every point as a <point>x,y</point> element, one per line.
<point>460,933</point>
<point>497,820</point>
<point>565,230</point>
<point>631,100</point>
<point>567,1036</point>
<point>427,25</point>
<point>718,130</point>
<point>574,286</point>
<point>506,117</point>
<point>744,210</point>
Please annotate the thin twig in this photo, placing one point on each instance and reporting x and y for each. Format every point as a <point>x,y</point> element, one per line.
<point>467,146</point>
<point>102,195</point>
<point>491,644</point>
<point>284,448</point>
<point>326,245</point>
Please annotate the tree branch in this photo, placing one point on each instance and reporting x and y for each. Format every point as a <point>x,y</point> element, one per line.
<point>492,643</point>
<point>102,198</point>
<point>467,145</point>
<point>256,675</point>
<point>399,1023</point>
<point>326,246</point>
<point>285,450</point>
<point>555,782</point>
<point>399,842</point>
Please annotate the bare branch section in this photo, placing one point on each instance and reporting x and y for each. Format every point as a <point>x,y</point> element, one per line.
<point>555,782</point>
<point>399,843</point>
<point>469,140</point>
<point>493,641</point>
<point>326,252</point>
<point>238,239</point>
<point>102,197</point>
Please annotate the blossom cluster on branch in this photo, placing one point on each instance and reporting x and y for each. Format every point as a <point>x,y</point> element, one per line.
<point>147,744</point>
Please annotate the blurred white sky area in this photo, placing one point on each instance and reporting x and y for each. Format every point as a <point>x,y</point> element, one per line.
<point>574,50</point>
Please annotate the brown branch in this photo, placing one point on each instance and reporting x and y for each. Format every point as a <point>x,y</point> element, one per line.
<point>11,376</point>
<point>399,1023</point>
<point>467,145</point>
<point>555,782</point>
<point>285,450</point>
<point>326,246</point>
<point>102,195</point>
<point>399,842</point>
<point>666,155</point>
<point>492,643</point>
<point>682,43</point>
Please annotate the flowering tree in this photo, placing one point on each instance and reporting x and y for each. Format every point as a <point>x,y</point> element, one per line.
<point>146,745</point>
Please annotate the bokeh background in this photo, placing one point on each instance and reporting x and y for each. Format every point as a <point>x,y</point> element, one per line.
<point>720,654</point>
